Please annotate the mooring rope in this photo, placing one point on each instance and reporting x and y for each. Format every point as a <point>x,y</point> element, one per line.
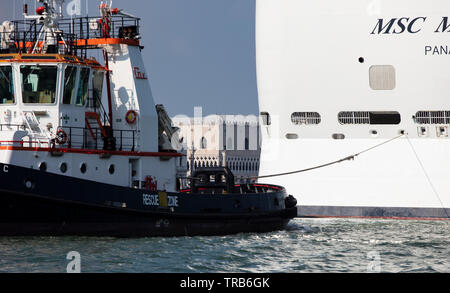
<point>348,158</point>
<point>352,157</point>
<point>427,176</point>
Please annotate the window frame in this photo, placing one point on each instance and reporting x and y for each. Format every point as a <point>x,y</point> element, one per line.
<point>14,85</point>
<point>63,87</point>
<point>93,75</point>
<point>89,79</point>
<point>56,84</point>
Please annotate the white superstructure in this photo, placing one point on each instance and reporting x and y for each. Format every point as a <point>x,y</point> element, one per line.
<point>63,112</point>
<point>339,77</point>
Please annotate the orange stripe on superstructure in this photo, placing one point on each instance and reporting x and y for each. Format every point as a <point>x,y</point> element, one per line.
<point>91,152</point>
<point>54,58</point>
<point>85,42</point>
<point>106,41</point>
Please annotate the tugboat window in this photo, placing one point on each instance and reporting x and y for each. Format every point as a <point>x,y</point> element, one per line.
<point>111,169</point>
<point>63,167</point>
<point>70,75</point>
<point>83,168</point>
<point>38,84</point>
<point>98,87</point>
<point>6,85</point>
<point>83,84</point>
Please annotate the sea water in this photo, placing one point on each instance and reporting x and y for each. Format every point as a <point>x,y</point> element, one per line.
<point>307,245</point>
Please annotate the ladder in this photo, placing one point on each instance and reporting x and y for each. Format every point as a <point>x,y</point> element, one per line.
<point>97,118</point>
<point>35,131</point>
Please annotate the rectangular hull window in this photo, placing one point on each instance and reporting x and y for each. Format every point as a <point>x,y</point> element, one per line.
<point>305,118</point>
<point>354,117</point>
<point>379,118</point>
<point>38,84</point>
<point>6,85</point>
<point>369,117</point>
<point>432,117</point>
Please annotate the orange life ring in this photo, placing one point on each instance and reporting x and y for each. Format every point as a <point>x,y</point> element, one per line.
<point>131,116</point>
<point>61,137</point>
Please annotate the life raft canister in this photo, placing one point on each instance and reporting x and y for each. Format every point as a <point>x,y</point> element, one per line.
<point>131,116</point>
<point>61,137</point>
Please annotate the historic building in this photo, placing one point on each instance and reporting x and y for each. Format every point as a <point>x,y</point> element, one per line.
<point>225,140</point>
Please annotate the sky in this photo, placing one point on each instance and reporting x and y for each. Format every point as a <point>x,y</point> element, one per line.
<point>198,53</point>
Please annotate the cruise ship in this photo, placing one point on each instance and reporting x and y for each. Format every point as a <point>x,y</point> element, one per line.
<point>359,89</point>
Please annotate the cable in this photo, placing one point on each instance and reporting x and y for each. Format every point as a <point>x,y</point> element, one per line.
<point>427,176</point>
<point>348,158</point>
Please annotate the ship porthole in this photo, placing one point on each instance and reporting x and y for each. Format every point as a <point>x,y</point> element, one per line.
<point>111,169</point>
<point>29,183</point>
<point>83,168</point>
<point>63,167</point>
<point>43,166</point>
<point>374,133</point>
<point>361,60</point>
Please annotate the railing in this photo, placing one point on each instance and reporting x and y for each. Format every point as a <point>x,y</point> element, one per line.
<point>83,138</point>
<point>12,126</point>
<point>71,37</point>
<point>119,26</point>
<point>28,36</point>
<point>96,105</point>
<point>28,140</point>
<point>76,137</point>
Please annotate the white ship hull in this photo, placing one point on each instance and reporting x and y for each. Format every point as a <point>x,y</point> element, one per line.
<point>386,182</point>
<point>322,57</point>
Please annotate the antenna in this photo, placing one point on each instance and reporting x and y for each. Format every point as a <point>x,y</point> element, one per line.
<point>48,15</point>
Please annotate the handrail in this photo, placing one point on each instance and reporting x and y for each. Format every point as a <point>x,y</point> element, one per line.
<point>79,137</point>
<point>76,137</point>
<point>74,33</point>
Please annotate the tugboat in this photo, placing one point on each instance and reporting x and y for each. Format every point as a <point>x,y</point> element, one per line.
<point>69,165</point>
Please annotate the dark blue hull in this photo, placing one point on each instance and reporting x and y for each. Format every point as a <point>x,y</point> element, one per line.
<point>39,203</point>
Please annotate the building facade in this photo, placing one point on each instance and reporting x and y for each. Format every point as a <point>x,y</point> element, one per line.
<point>231,141</point>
